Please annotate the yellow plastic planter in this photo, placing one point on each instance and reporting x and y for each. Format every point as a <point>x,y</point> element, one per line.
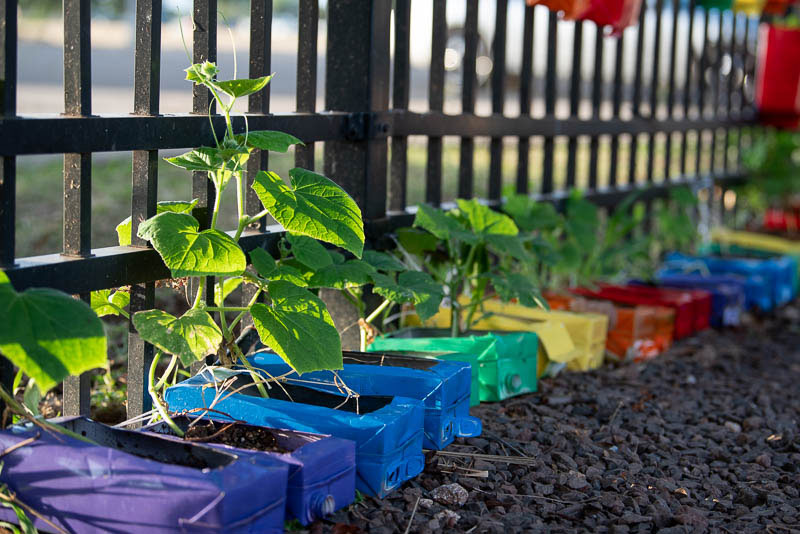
<point>582,348</point>
<point>755,241</point>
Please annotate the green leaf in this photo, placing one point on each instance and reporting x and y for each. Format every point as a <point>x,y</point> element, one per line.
<point>516,286</point>
<point>352,273</point>
<point>191,337</point>
<point>415,287</point>
<point>313,206</point>
<point>201,72</point>
<point>508,245</point>
<point>299,328</point>
<point>309,251</point>
<point>484,220</point>
<point>582,222</point>
<point>223,289</point>
<point>416,241</point>
<point>186,251</point>
<point>289,273</point>
<point>177,206</point>
<point>101,301</point>
<point>32,397</point>
<point>440,223</point>
<point>200,159</point>
<point>243,87</point>
<point>48,334</point>
<point>530,215</point>
<point>383,261</point>
<point>269,140</point>
<point>263,262</point>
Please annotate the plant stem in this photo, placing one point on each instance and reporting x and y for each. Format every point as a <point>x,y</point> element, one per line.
<point>253,374</point>
<point>217,200</point>
<point>240,206</point>
<point>249,305</point>
<point>154,396</point>
<point>165,376</point>
<point>226,308</point>
<point>198,298</point>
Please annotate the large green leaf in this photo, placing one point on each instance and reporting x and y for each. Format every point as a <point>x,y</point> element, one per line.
<point>177,206</point>
<point>415,287</point>
<point>269,140</point>
<point>48,334</point>
<point>516,286</point>
<point>484,220</point>
<point>186,251</point>
<point>351,273</point>
<point>383,261</point>
<point>508,245</point>
<point>416,241</point>
<point>299,328</point>
<point>242,87</point>
<point>313,206</point>
<point>101,301</point>
<point>309,252</point>
<point>190,337</point>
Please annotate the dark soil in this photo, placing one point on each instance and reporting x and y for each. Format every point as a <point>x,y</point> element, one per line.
<point>704,438</point>
<point>244,437</point>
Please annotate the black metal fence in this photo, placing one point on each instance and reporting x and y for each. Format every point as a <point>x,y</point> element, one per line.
<point>684,123</point>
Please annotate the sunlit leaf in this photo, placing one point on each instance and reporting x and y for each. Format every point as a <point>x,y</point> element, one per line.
<point>177,206</point>
<point>190,337</point>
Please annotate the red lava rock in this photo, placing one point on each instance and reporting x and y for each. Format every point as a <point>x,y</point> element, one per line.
<point>450,495</point>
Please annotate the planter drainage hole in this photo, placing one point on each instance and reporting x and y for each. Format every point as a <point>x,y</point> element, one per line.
<point>393,476</point>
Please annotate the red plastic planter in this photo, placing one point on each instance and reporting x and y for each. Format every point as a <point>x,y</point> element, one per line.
<point>692,308</point>
<point>778,76</point>
<point>618,14</point>
<point>572,9</point>
<point>782,220</point>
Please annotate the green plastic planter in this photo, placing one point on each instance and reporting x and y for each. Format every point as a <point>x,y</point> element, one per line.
<point>506,363</point>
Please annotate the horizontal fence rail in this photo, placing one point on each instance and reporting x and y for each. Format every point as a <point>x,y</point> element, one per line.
<point>648,111</point>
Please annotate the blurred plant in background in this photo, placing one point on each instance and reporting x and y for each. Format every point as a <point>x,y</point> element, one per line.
<point>774,161</point>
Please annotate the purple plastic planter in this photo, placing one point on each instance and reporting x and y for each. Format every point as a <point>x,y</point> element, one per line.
<point>136,482</point>
<point>322,469</point>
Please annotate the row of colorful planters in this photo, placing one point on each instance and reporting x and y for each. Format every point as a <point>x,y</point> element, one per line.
<point>325,434</point>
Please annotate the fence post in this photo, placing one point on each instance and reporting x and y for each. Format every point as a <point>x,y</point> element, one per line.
<point>357,81</point>
<point>8,164</point>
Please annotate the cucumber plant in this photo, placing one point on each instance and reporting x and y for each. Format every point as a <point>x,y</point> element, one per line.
<point>473,253</point>
<point>289,318</point>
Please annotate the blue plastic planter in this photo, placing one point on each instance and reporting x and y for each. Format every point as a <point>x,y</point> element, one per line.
<point>778,272</point>
<point>727,299</point>
<point>138,482</point>
<point>387,430</point>
<point>322,469</point>
<point>444,387</point>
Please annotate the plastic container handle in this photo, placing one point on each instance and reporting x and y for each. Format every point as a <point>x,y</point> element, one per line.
<point>468,427</point>
<point>514,382</point>
<point>322,505</point>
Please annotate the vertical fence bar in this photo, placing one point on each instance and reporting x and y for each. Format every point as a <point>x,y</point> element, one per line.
<point>716,87</point>
<point>731,88</point>
<point>636,98</point>
<point>8,165</point>
<point>433,173</point>
<point>204,48</point>
<point>466,168</point>
<point>358,81</point>
<point>400,96</point>
<point>77,168</point>
<point>741,89</point>
<point>550,100</point>
<point>671,87</point>
<point>308,21</point>
<point>687,83</point>
<point>258,103</point>
<point>616,105</point>
<point>701,91</point>
<point>498,99</point>
<point>526,75</point>
<point>144,191</point>
<point>597,97</point>
<point>574,100</point>
<point>654,81</point>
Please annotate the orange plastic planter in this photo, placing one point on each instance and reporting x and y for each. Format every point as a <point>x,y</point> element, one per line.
<point>640,333</point>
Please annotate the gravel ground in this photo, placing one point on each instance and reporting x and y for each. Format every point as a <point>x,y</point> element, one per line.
<point>704,438</point>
